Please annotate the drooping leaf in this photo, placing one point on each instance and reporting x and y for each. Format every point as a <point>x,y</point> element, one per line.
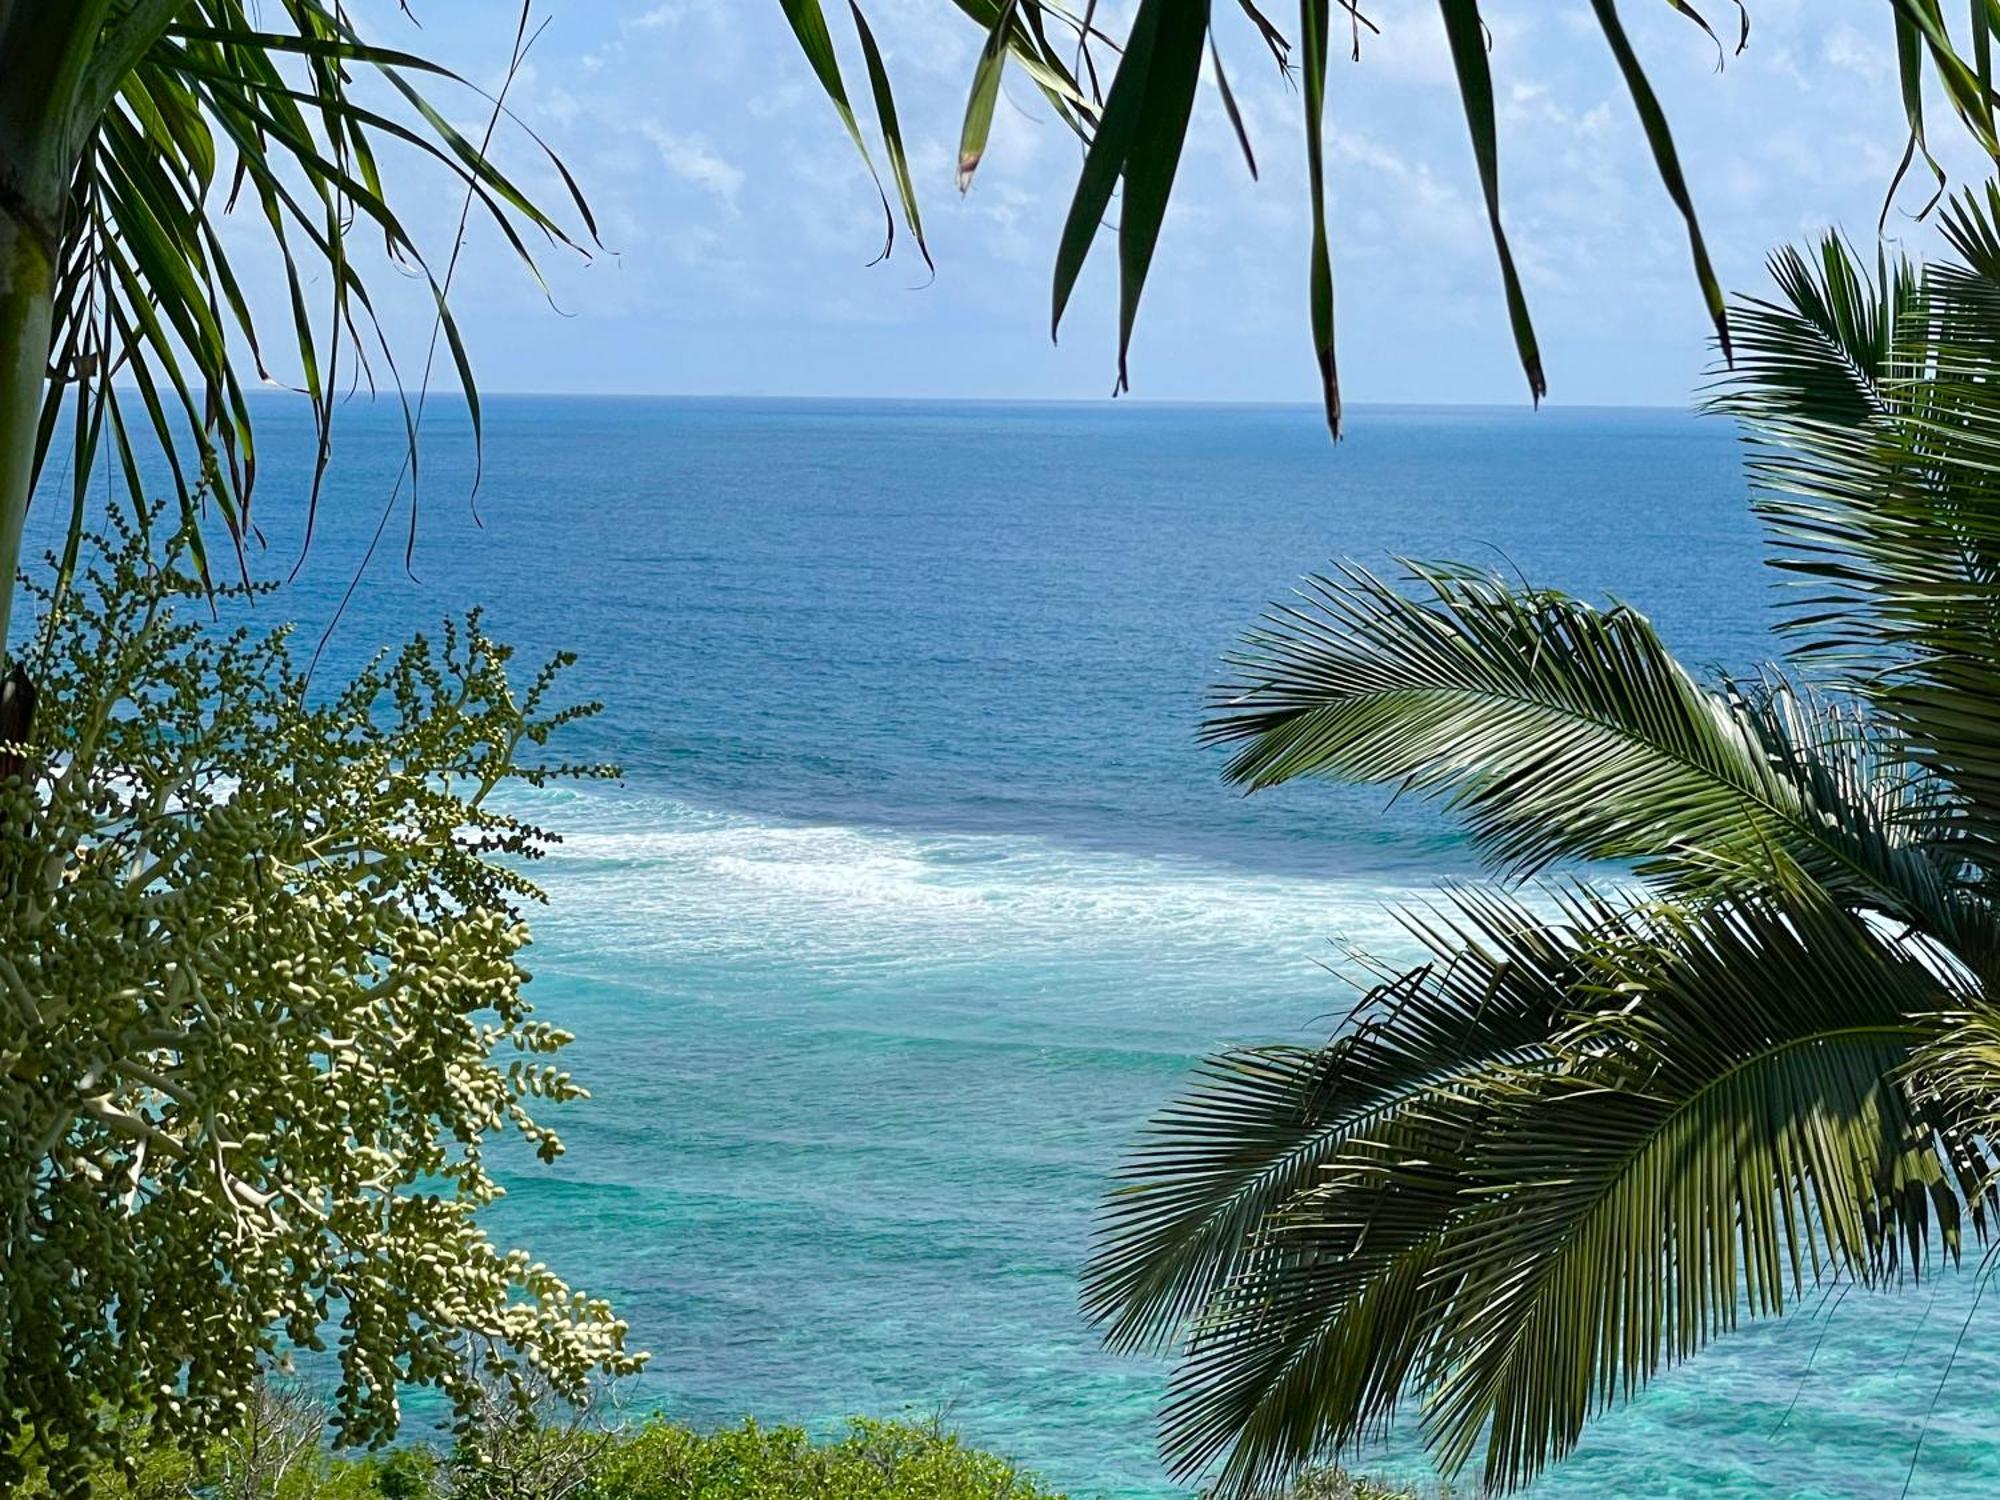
<point>1666,159</point>
<point>1498,1191</point>
<point>149,295</point>
<point>1153,155</point>
<point>1229,107</point>
<point>809,26</point>
<point>1559,731</point>
<point>1104,161</point>
<point>1313,19</point>
<point>984,96</point>
<point>892,132</point>
<point>1467,35</point>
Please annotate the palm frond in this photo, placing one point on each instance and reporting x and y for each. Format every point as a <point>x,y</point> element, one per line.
<point>186,118</point>
<point>1715,1118</point>
<point>1140,149</point>
<point>1564,732</point>
<point>1874,414</point>
<point>1735,1126</point>
<point>1263,1122</point>
<point>1822,350</point>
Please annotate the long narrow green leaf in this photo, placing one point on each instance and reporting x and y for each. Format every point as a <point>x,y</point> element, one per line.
<point>1910,78</point>
<point>1154,154</point>
<point>1229,106</point>
<point>892,131</point>
<point>985,95</point>
<point>1983,18</point>
<point>1467,35</point>
<point>809,26</point>
<point>1105,160</point>
<point>1313,22</point>
<point>1972,102</point>
<point>1667,160</point>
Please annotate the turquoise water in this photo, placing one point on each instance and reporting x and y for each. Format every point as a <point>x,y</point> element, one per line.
<point>917,897</point>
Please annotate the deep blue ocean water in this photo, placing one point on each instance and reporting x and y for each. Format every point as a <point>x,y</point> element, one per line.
<point>917,897</point>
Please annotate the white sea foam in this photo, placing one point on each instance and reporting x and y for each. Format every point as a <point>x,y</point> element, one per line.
<point>647,875</point>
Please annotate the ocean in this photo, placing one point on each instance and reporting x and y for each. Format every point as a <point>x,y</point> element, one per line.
<point>917,896</point>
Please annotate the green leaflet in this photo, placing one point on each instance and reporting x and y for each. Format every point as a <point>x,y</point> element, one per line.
<point>809,26</point>
<point>1313,20</point>
<point>1667,160</point>
<point>1475,87</point>
<point>149,293</point>
<point>892,131</point>
<point>985,94</point>
<point>1154,154</point>
<point>1139,140</point>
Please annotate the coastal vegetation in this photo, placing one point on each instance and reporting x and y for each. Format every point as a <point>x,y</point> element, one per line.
<point>261,950</point>
<point>265,1021</point>
<point>1616,1110</point>
<point>125,329</point>
<point>280,1457</point>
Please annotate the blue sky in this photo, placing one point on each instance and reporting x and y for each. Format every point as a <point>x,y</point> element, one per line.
<point>738,223</point>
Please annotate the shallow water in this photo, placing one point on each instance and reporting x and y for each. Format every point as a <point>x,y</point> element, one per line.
<point>917,896</point>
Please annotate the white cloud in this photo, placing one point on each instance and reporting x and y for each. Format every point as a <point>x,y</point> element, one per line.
<point>693,160</point>
<point>1849,50</point>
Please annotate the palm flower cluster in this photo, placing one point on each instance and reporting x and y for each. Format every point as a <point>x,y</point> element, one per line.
<point>1604,1119</point>
<point>260,968</point>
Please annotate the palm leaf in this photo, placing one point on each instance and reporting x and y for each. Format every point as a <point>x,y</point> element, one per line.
<point>1875,418</point>
<point>1757,1137</point>
<point>1565,732</point>
<point>1715,1117</point>
<point>1263,1122</point>
<point>147,291</point>
<point>1137,136</point>
<point>1466,33</point>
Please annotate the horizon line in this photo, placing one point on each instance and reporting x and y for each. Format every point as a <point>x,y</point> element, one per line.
<point>1109,402</point>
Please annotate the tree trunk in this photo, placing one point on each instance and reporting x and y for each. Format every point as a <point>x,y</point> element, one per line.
<point>27,292</point>
<point>45,53</point>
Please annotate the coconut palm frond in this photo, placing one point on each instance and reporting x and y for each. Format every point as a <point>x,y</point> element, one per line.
<point>1715,1117</point>
<point>1263,1122</point>
<point>1561,731</point>
<point>1876,453</point>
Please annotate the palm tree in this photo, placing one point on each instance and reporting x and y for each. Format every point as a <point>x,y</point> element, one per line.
<point>126,127</point>
<point>1129,100</point>
<point>1604,1119</point>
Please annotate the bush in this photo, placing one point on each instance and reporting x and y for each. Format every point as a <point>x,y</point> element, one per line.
<point>652,1460</point>
<point>261,1019</point>
<point>871,1461</point>
<point>1337,1484</point>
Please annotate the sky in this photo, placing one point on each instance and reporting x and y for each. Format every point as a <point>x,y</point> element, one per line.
<point>738,224</point>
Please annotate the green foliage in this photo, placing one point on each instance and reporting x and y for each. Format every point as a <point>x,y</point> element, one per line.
<point>1595,1129</point>
<point>1335,1484</point>
<point>653,1460</point>
<point>260,967</point>
<point>138,124</point>
<point>1132,114</point>
<point>871,1461</point>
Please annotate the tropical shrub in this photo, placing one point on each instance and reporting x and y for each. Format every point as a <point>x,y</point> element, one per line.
<point>1605,1119</point>
<point>651,1460</point>
<point>260,962</point>
<point>870,1461</point>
